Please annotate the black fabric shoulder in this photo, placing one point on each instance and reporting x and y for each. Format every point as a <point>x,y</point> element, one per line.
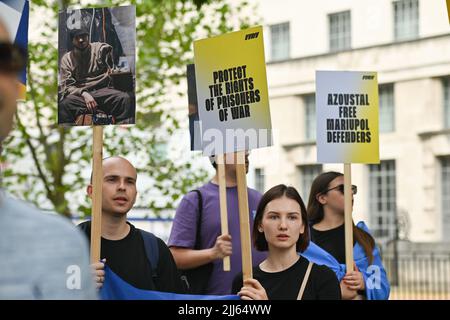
<point>165,256</point>
<point>322,270</point>
<point>85,227</point>
<point>163,250</point>
<point>168,279</point>
<point>237,283</point>
<point>325,282</point>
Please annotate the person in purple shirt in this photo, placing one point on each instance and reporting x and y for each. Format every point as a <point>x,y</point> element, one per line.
<point>213,246</point>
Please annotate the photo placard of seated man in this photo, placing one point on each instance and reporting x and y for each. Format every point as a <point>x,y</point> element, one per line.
<point>85,82</point>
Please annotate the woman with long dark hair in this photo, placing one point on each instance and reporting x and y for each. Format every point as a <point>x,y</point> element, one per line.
<point>281,228</point>
<point>326,216</point>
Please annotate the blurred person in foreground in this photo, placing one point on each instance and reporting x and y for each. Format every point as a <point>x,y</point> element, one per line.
<point>41,256</point>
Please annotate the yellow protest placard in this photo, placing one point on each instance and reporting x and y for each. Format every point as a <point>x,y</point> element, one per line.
<point>233,102</point>
<point>347,117</point>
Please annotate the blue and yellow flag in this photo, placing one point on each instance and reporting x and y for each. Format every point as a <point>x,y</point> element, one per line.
<point>14,14</point>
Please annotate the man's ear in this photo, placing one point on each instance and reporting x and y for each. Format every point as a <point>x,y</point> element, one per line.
<point>89,191</point>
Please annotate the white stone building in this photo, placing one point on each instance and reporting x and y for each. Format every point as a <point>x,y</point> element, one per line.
<point>408,43</point>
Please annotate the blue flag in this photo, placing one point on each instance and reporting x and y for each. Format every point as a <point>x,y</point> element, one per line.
<point>114,288</point>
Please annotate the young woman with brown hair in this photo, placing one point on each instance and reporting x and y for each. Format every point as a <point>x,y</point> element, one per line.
<point>326,216</point>
<point>281,228</point>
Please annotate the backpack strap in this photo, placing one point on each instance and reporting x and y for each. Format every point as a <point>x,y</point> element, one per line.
<point>151,250</point>
<point>199,219</point>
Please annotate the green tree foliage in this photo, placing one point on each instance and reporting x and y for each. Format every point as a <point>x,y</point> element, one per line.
<point>61,157</point>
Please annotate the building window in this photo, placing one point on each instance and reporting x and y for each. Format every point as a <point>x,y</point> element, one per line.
<point>382,204</point>
<point>310,116</point>
<point>307,175</point>
<point>259,180</point>
<point>387,114</point>
<point>406,19</point>
<point>280,41</point>
<point>446,87</point>
<point>445,196</point>
<point>340,31</point>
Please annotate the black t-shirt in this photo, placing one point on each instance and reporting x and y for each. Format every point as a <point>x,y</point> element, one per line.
<point>332,241</point>
<point>128,259</point>
<point>285,285</point>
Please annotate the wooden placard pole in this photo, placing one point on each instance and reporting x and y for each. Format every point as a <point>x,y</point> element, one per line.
<point>448,10</point>
<point>348,216</point>
<point>244,219</point>
<point>97,179</point>
<point>223,203</point>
